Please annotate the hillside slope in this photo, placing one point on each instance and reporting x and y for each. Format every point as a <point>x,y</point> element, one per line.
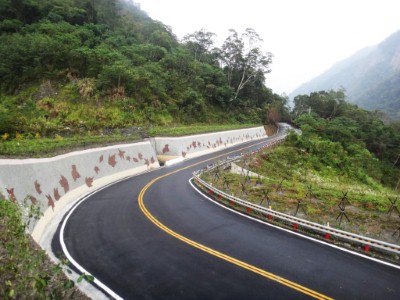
<point>74,66</point>
<point>371,77</point>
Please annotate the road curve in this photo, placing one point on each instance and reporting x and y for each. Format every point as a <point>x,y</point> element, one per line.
<point>224,256</point>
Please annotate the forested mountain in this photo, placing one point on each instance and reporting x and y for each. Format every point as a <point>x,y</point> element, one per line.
<point>69,66</point>
<point>343,136</point>
<point>371,77</point>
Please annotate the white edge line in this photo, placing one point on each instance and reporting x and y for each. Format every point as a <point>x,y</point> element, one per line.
<point>292,232</point>
<point>68,255</point>
<point>64,247</point>
<point>87,195</point>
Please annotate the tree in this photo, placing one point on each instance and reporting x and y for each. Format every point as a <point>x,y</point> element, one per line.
<point>325,104</point>
<point>199,43</point>
<point>244,60</point>
<point>231,54</point>
<point>277,111</point>
<point>162,39</point>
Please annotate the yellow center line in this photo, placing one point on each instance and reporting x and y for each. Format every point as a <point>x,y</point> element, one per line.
<point>216,253</point>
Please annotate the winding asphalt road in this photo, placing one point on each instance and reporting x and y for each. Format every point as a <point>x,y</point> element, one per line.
<point>154,237</point>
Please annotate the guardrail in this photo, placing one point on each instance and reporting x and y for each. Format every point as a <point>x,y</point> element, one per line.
<point>367,243</point>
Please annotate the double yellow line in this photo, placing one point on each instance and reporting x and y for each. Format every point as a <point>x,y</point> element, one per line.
<point>213,252</point>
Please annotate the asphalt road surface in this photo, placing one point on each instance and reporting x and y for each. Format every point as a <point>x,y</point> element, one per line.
<point>154,237</point>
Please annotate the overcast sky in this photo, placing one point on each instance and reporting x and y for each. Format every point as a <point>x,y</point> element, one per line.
<point>305,36</point>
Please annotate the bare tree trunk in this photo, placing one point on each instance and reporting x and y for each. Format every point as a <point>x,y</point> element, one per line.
<point>240,86</point>
<point>243,82</point>
<point>230,72</point>
<point>398,157</point>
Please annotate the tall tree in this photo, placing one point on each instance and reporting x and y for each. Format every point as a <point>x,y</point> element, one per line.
<point>231,55</point>
<point>244,60</point>
<point>199,43</point>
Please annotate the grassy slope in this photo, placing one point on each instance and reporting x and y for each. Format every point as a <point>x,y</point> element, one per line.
<point>288,178</point>
<point>45,147</point>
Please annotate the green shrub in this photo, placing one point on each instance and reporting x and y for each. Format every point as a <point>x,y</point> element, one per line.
<point>25,270</point>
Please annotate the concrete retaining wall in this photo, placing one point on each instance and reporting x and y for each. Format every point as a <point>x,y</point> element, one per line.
<point>195,145</point>
<point>52,183</point>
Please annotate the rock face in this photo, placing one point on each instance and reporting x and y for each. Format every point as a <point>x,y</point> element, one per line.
<point>371,78</point>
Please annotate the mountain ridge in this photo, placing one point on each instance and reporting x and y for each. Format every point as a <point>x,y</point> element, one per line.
<point>370,77</point>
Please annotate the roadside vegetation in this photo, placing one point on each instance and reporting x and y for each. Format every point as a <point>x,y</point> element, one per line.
<point>47,147</point>
<point>288,183</point>
<point>82,73</point>
<point>343,155</point>
<point>36,146</point>
<point>196,129</point>
<point>26,272</point>
<point>78,68</point>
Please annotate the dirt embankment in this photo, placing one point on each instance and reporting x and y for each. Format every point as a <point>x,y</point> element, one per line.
<point>270,129</point>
